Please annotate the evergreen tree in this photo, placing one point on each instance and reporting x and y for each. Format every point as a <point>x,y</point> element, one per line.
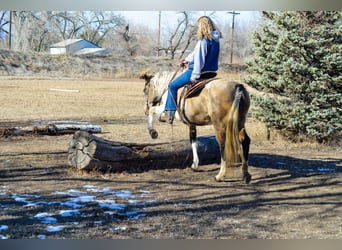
<point>297,62</point>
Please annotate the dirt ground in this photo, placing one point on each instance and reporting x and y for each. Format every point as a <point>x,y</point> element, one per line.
<point>295,192</point>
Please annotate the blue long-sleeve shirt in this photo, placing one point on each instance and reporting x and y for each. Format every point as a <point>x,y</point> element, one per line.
<point>205,56</point>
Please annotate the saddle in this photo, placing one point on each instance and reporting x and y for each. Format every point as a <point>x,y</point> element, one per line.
<point>192,90</point>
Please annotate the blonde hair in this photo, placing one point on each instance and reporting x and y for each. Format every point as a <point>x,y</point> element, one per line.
<point>205,27</point>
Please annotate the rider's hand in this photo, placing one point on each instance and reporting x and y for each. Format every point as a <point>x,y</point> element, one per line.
<point>193,82</point>
<point>183,63</point>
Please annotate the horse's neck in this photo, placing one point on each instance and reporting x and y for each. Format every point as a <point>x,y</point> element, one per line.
<point>161,81</point>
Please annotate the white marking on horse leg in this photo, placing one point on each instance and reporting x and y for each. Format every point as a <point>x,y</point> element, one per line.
<point>150,121</point>
<point>151,130</point>
<point>195,161</point>
<point>220,176</point>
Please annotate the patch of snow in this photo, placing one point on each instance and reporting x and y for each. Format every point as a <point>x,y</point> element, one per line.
<point>124,194</point>
<point>46,218</point>
<point>83,199</point>
<point>69,213</point>
<point>326,170</point>
<point>74,199</point>
<point>71,204</point>
<point>3,190</point>
<point>138,216</point>
<point>76,192</point>
<point>54,229</point>
<point>98,222</point>
<point>134,214</point>
<point>118,229</point>
<point>34,204</point>
<point>40,215</point>
<point>73,223</point>
<point>19,199</point>
<point>41,236</point>
<point>110,204</point>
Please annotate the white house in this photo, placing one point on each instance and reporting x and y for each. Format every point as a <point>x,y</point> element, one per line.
<point>76,46</point>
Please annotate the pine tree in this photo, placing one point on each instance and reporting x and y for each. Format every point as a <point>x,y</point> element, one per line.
<point>298,59</point>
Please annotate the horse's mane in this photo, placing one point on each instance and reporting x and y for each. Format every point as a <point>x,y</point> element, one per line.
<point>161,80</point>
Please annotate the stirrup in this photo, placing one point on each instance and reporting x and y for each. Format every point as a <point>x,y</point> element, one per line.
<point>165,117</point>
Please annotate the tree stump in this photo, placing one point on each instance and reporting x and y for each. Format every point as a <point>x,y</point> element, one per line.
<point>89,152</point>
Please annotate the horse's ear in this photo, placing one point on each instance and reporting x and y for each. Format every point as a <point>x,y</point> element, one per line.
<point>146,76</point>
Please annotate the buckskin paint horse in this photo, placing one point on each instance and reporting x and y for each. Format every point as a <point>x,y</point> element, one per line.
<point>221,103</point>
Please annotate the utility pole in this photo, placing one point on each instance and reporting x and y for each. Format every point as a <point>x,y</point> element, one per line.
<point>10,31</point>
<point>158,44</point>
<point>233,13</point>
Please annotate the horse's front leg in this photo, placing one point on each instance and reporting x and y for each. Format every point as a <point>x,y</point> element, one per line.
<point>193,141</point>
<point>153,110</point>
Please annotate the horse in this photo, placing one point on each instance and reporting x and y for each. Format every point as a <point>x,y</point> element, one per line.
<point>222,103</point>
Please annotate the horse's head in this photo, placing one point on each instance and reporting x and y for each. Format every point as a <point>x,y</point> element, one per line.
<point>148,91</point>
<point>155,87</point>
<point>147,79</point>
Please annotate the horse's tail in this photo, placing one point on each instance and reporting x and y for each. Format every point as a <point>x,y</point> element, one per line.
<point>233,145</point>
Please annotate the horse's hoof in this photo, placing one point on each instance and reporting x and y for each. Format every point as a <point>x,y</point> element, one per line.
<point>247,178</point>
<point>195,169</point>
<point>154,133</point>
<point>217,179</point>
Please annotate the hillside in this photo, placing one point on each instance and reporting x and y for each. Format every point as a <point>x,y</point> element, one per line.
<point>14,63</point>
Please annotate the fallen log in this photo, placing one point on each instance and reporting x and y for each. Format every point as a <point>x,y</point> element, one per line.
<point>54,128</point>
<point>89,152</point>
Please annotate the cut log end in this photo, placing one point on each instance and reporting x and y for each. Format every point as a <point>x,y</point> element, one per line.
<point>82,149</point>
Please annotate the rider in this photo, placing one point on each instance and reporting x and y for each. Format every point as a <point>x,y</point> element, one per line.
<point>203,59</point>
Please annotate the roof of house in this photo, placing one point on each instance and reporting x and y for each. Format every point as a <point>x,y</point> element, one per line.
<point>68,42</point>
<point>94,51</point>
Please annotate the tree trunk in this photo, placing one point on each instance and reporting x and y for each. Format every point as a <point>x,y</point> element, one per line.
<point>50,129</point>
<point>88,152</point>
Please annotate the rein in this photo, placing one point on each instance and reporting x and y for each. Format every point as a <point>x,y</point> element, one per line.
<point>173,77</point>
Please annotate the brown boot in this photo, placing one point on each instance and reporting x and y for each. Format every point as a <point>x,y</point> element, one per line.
<point>166,117</point>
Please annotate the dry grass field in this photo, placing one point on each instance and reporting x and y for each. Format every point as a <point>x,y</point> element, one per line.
<point>295,192</point>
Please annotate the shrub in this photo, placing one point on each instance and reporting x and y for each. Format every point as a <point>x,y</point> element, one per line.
<point>297,58</point>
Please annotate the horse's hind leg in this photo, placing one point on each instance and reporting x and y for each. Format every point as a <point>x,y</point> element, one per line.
<point>222,173</point>
<point>219,137</point>
<point>245,140</point>
<point>193,141</point>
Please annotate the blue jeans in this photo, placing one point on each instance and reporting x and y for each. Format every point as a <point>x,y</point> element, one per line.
<point>180,81</point>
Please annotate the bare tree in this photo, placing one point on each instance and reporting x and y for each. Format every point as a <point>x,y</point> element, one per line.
<point>36,30</point>
<point>39,34</point>
<point>98,23</point>
<point>4,27</point>
<point>67,23</point>
<point>3,24</point>
<point>20,30</point>
<point>182,36</point>
<point>126,40</point>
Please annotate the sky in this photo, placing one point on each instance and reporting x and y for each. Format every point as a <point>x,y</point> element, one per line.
<point>168,18</point>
